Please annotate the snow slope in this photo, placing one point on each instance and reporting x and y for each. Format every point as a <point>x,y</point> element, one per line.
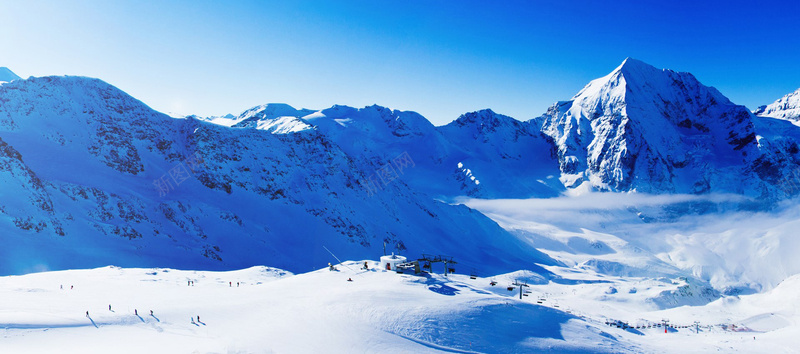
<point>264,309</point>
<point>507,157</point>
<point>93,176</point>
<point>268,310</point>
<point>513,159</point>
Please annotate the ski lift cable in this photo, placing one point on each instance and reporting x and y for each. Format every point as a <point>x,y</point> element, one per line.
<point>340,261</point>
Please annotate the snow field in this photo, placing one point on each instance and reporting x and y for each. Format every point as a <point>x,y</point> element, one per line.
<point>271,310</point>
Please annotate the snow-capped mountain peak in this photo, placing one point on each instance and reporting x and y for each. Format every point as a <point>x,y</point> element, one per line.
<point>787,107</point>
<point>6,75</point>
<point>648,129</point>
<point>486,119</point>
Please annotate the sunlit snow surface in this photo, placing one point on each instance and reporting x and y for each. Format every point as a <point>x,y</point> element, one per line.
<point>786,107</point>
<point>265,309</point>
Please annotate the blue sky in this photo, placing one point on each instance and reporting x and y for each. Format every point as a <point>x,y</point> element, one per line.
<point>439,58</point>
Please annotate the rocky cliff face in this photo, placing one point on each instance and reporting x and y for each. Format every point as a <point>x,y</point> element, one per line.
<point>658,131</point>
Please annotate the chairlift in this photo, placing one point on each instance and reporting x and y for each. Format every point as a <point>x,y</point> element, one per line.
<point>427,266</point>
<point>510,288</point>
<point>451,270</point>
<point>493,282</point>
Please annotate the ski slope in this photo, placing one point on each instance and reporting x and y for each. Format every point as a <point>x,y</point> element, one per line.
<point>265,310</point>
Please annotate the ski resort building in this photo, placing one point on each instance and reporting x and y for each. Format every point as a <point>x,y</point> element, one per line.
<point>391,262</point>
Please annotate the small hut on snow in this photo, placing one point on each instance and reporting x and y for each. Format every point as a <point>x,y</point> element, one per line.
<point>391,262</point>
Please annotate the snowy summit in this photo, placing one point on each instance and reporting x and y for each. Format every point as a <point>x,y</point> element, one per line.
<point>6,75</point>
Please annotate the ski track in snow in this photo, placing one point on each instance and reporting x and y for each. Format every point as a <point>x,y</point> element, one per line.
<point>275,311</point>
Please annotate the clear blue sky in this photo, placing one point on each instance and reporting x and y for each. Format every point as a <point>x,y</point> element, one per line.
<point>439,58</point>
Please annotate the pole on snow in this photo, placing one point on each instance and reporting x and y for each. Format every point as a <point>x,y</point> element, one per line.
<point>337,258</point>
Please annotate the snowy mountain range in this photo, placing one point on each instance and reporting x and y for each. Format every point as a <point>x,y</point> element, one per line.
<point>91,176</point>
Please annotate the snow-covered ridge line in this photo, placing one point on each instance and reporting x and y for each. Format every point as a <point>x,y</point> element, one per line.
<point>638,129</point>
<point>86,164</point>
<point>786,107</point>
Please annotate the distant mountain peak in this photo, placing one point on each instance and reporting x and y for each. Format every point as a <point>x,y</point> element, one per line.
<point>629,130</point>
<point>786,107</point>
<point>6,75</point>
<point>631,64</point>
<point>486,118</point>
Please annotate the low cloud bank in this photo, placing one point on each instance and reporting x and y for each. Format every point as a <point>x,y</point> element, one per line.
<point>726,239</point>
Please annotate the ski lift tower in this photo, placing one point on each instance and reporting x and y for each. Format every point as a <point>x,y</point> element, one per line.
<point>522,286</point>
<point>429,259</point>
